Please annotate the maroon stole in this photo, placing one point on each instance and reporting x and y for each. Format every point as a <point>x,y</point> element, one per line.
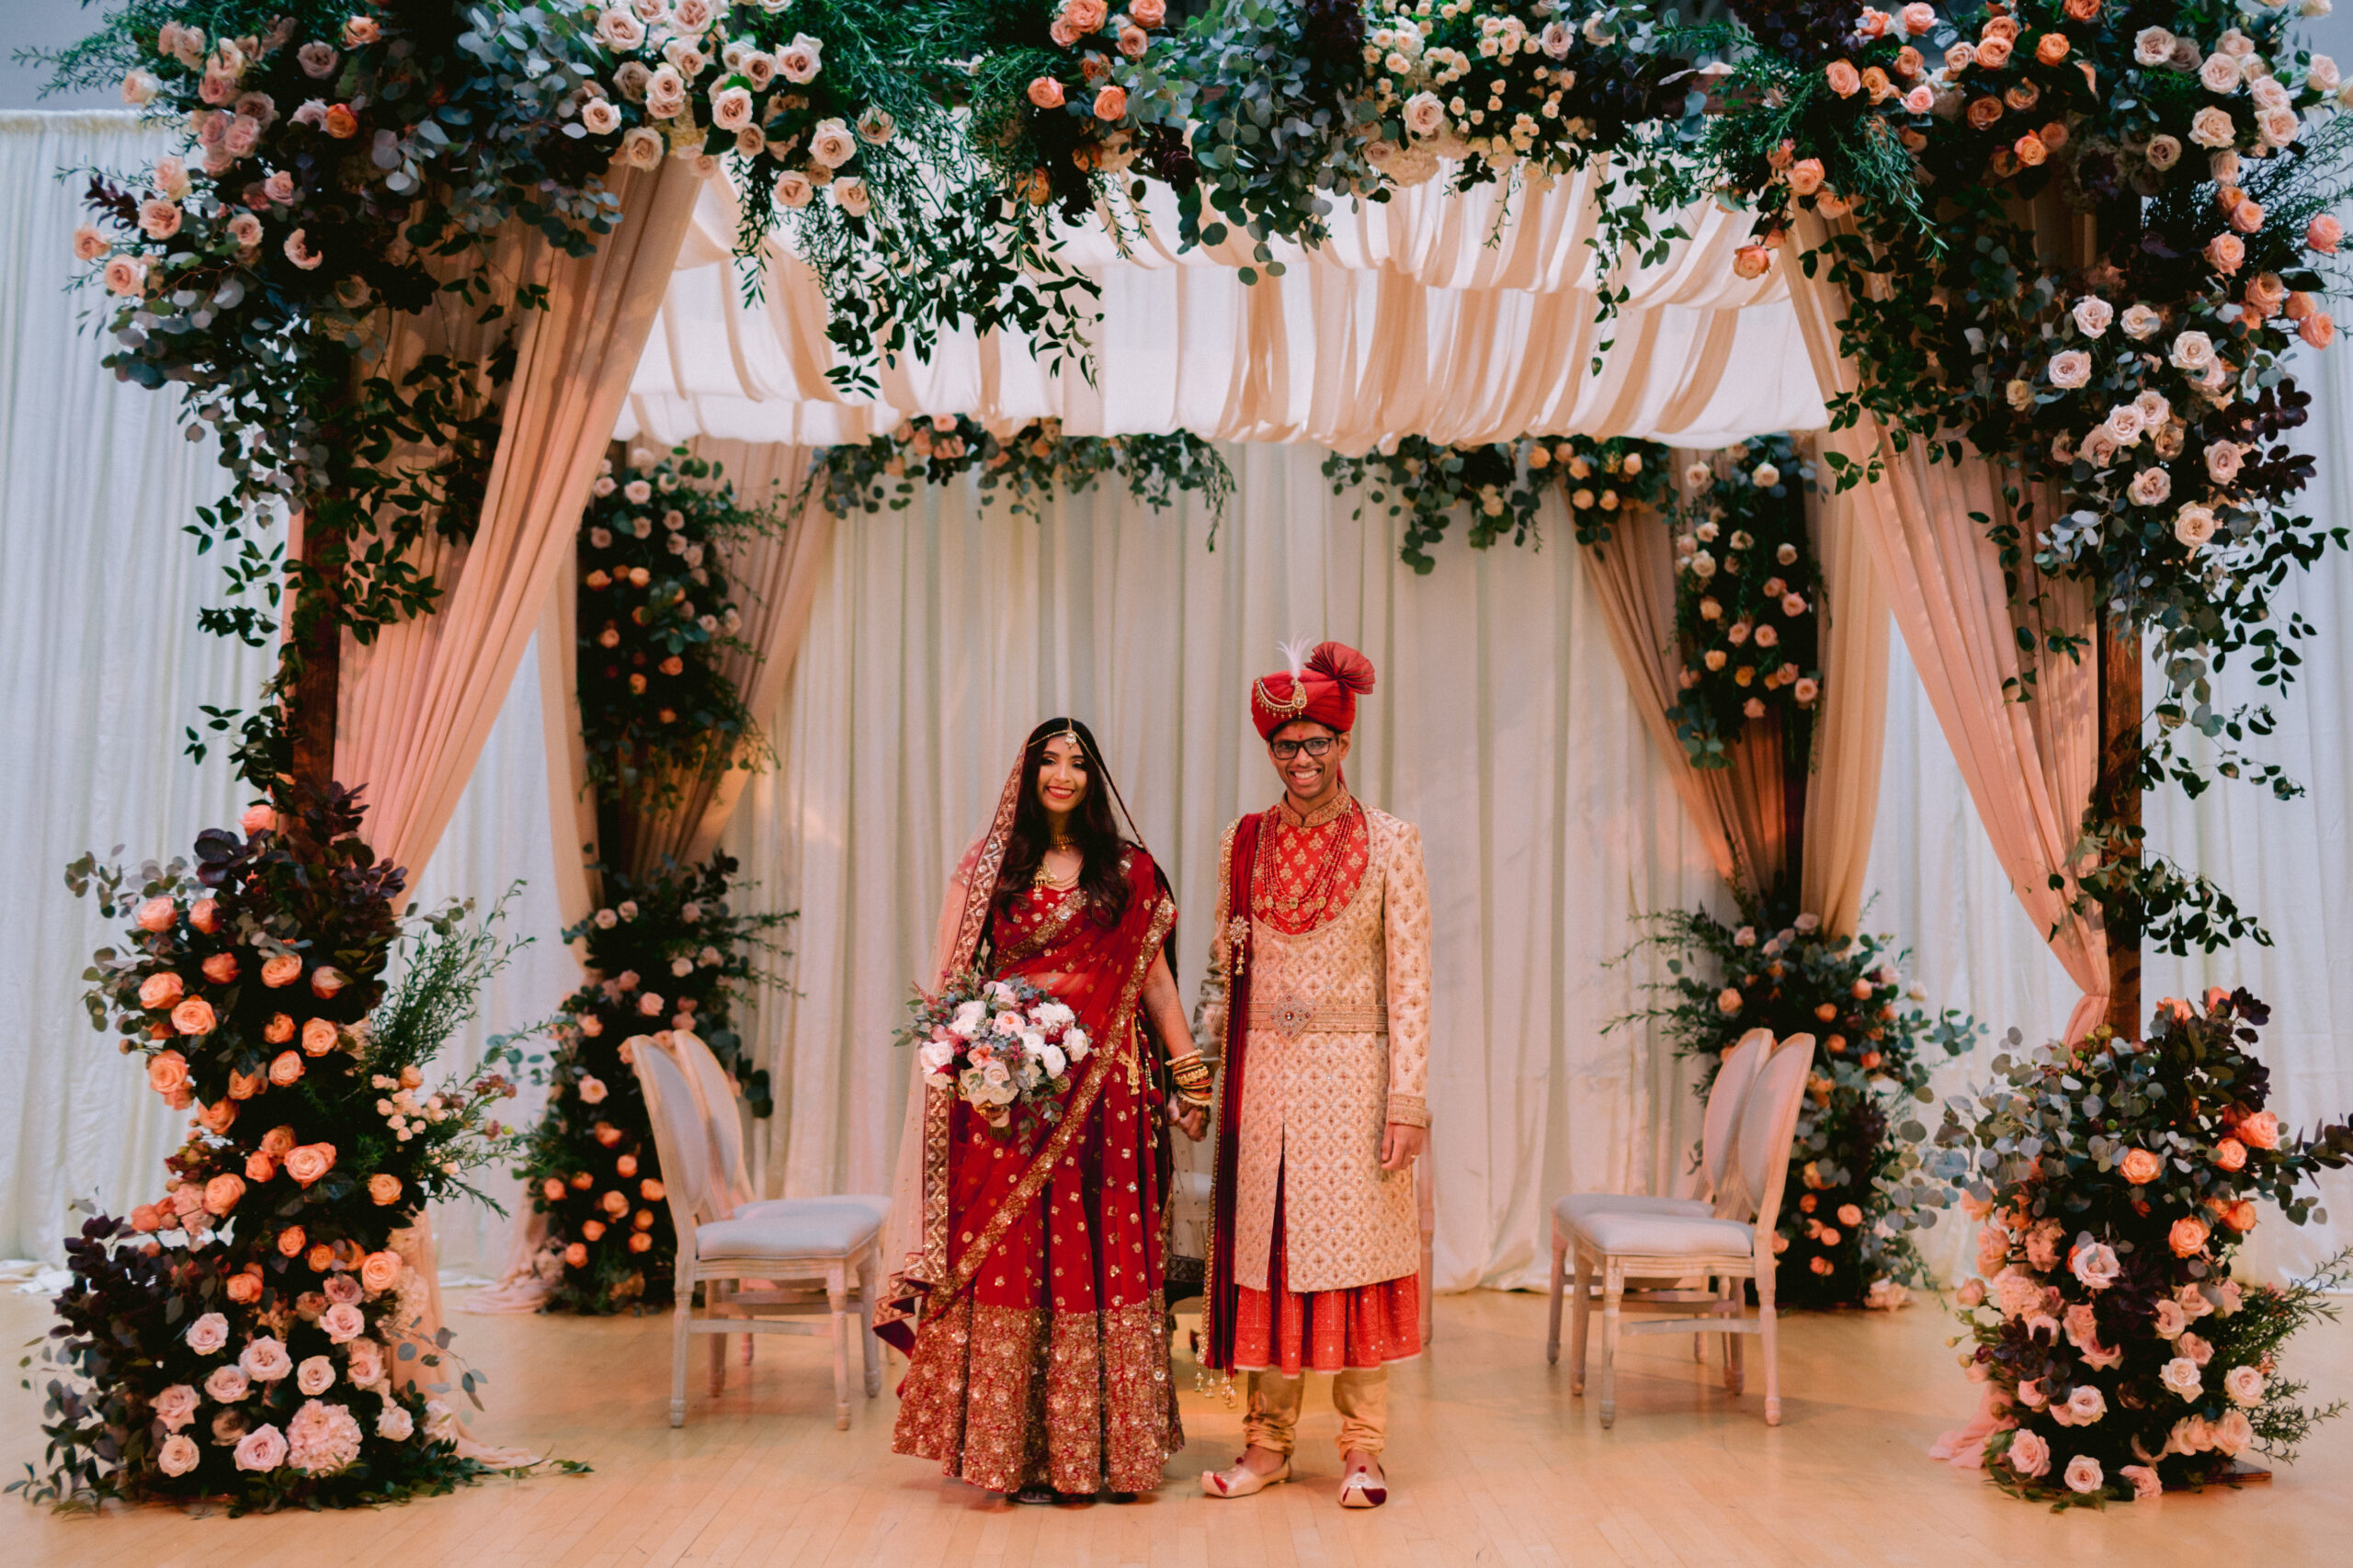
<point>1223,1300</point>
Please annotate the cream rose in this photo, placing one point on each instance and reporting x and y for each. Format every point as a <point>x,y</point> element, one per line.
<point>2070,369</point>
<point>2151,487</point>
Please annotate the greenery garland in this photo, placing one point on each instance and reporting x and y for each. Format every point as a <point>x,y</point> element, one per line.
<point>1858,1183</point>
<point>252,1334</point>
<point>1502,485</point>
<point>1747,599</point>
<point>656,613</point>
<point>1026,467</point>
<point>2116,1182</point>
<point>669,953</point>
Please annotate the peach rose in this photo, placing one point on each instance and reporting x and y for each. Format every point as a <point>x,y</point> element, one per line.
<point>281,972</point>
<point>575,1255</point>
<point>551,1189</point>
<point>1111,102</point>
<point>1046,93</point>
<point>146,1217</point>
<point>278,1142</point>
<point>2324,234</point>
<point>1845,80</point>
<point>2319,329</point>
<point>2260,1130</point>
<point>340,122</point>
<point>615,1203</point>
<point>2051,48</point>
<point>244,1289</point>
<point>1983,112</point>
<point>592,1230</point>
<point>1993,52</point>
<point>205,915</point>
<point>1148,13</point>
<point>626,1164</point>
<point>380,1272</point>
<point>279,1029</point>
<point>2141,1168</point>
<point>2188,1237</point>
<point>194,1017</point>
<point>222,1193</point>
<point>2030,150</point>
<point>326,980</point>
<point>291,1241</point>
<point>2231,1155</point>
<point>217,1117</point>
<point>2239,1216</point>
<point>308,1161</point>
<point>319,1258</point>
<point>246,1085</point>
<point>650,1189</point>
<point>384,1189</point>
<point>164,990</point>
<point>319,1037</point>
<point>167,1072</point>
<point>2225,253</point>
<point>158,914</point>
<point>260,818</point>
<point>220,969</point>
<point>640,1241</point>
<point>1806,176</point>
<point>285,1068</point>
<point>261,1166</point>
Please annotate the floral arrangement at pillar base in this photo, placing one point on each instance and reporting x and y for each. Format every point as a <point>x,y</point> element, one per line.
<point>253,1335</point>
<point>2116,1183</point>
<point>1747,599</point>
<point>667,953</point>
<point>1857,1186</point>
<point>1604,482</point>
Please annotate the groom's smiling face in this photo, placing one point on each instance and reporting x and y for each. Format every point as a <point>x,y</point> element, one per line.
<point>1306,776</point>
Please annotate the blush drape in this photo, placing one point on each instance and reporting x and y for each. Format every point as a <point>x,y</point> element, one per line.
<point>1739,810</point>
<point>2029,765</point>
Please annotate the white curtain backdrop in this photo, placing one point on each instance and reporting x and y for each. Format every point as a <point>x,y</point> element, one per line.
<point>939,634</point>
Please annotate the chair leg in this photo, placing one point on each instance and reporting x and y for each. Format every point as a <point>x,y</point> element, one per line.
<point>870,1348</point>
<point>1770,1331</point>
<point>837,1297</point>
<point>680,1337</point>
<point>1552,1331</point>
<point>1736,1375</point>
<point>1580,1312</point>
<point>717,1300</point>
<point>1613,1287</point>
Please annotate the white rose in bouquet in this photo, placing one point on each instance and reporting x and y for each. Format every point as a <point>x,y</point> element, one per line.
<point>1075,1042</point>
<point>1007,1023</point>
<point>1052,1058</point>
<point>936,1057</point>
<point>968,1019</point>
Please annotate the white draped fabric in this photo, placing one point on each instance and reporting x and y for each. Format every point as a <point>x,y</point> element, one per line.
<point>1502,725</point>
<point>1425,315</point>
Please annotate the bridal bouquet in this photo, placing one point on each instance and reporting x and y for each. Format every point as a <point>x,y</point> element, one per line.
<point>1001,1042</point>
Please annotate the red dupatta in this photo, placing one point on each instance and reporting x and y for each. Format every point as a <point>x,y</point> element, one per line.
<point>1222,1298</point>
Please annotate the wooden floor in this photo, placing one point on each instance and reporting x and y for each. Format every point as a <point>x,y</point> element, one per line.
<point>1491,1462</point>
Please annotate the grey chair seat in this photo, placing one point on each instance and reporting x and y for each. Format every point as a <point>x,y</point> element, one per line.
<point>791,1227</point>
<point>1577,1208</point>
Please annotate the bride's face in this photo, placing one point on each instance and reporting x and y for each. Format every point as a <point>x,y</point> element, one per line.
<point>1062,776</point>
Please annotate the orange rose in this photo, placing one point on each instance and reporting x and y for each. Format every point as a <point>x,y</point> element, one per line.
<point>641,1241</point>
<point>551,1189</point>
<point>157,915</point>
<point>2239,1216</point>
<point>1983,112</point>
<point>592,1230</point>
<point>2051,48</point>
<point>146,1217</point>
<point>582,1181</point>
<point>308,1161</point>
<point>2141,1168</point>
<point>2030,150</point>
<point>246,1085</point>
<point>279,1029</point>
<point>244,1289</point>
<point>221,967</point>
<point>1993,52</point>
<point>320,1258</point>
<point>281,972</point>
<point>341,123</point>
<point>2260,1130</point>
<point>1046,93</point>
<point>380,1272</point>
<point>2231,1155</point>
<point>643,1219</point>
<point>1845,80</point>
<point>614,1203</point>
<point>326,980</point>
<point>650,1189</point>
<point>2188,1237</point>
<point>383,1189</point>
<point>1111,102</point>
<point>205,915</point>
<point>2054,135</point>
<point>215,1118</point>
<point>2002,27</point>
<point>278,1141</point>
<point>261,1166</point>
<point>222,1193</point>
<point>2082,10</point>
<point>162,990</point>
<point>167,1072</point>
<point>1751,262</point>
<point>291,1241</point>
<point>575,1255</point>
<point>194,1017</point>
<point>319,1037</point>
<point>626,1164</point>
<point>285,1068</point>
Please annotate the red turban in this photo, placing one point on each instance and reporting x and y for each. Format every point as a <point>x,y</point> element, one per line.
<point>1325,690</point>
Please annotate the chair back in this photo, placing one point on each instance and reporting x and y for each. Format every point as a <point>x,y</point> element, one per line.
<point>1760,1163</point>
<point>1727,1097</point>
<point>678,1137</point>
<point>730,1188</point>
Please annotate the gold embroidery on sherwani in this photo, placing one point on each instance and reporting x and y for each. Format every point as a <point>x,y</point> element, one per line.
<point>1317,1101</point>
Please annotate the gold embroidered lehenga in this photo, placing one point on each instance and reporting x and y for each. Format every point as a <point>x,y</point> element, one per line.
<point>1040,1357</point>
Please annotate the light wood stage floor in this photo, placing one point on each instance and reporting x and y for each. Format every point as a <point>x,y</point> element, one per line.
<point>1491,1462</point>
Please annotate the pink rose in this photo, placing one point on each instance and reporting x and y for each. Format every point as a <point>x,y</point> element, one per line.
<point>264,1448</point>
<point>380,1272</point>
<point>175,1407</point>
<point>208,1333</point>
<point>319,1037</point>
<point>341,1287</point>
<point>2324,233</point>
<point>308,1161</point>
<point>2028,1455</point>
<point>281,972</point>
<point>265,1360</point>
<point>222,1194</point>
<point>1751,261</point>
<point>359,30</point>
<point>167,1072</point>
<point>162,990</point>
<point>228,1385</point>
<point>1046,93</point>
<point>1918,18</point>
<point>342,1322</point>
<point>158,914</point>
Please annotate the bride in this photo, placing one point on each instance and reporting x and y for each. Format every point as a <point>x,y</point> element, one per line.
<point>1039,1366</point>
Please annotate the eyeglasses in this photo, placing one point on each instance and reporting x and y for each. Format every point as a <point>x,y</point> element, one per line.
<point>1314,746</point>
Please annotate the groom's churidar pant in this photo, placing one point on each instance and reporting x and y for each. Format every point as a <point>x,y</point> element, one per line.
<point>1359,1393</point>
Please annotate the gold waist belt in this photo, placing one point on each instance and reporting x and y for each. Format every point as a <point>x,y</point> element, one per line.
<point>1298,1017</point>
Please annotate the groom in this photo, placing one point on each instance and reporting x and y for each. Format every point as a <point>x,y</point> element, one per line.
<point>1319,985</point>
